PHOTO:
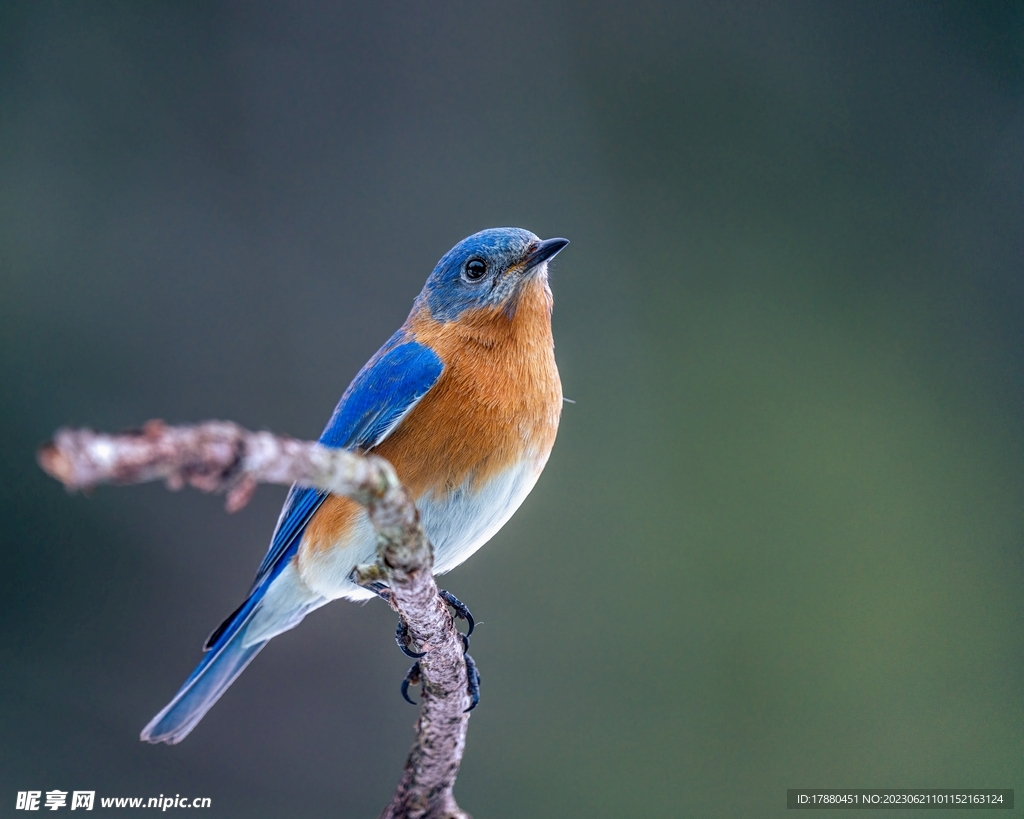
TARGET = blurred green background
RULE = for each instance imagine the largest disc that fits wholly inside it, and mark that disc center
(779, 541)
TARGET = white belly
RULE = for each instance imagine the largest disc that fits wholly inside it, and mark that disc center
(462, 522)
(457, 524)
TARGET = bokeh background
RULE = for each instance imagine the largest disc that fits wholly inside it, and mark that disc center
(780, 541)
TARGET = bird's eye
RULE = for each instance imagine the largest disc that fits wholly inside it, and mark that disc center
(475, 269)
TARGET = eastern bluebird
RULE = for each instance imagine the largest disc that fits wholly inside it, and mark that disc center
(463, 400)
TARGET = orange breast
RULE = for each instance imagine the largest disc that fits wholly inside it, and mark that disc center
(497, 402)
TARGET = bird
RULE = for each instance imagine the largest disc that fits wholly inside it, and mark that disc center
(464, 401)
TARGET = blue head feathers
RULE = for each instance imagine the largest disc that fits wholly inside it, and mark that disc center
(487, 269)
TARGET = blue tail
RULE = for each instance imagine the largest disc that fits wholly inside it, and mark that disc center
(270, 610)
(225, 660)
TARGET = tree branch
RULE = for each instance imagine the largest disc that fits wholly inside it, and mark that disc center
(219, 456)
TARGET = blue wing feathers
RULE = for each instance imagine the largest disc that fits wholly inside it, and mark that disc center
(300, 505)
(386, 388)
(381, 395)
(383, 392)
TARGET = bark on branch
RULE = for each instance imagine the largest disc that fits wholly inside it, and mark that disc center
(220, 456)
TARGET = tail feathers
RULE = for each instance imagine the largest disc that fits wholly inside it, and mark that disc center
(273, 608)
(215, 673)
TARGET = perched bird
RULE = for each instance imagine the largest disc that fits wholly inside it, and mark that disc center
(464, 401)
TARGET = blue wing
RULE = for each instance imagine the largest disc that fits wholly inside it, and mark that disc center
(385, 390)
(380, 396)
(383, 393)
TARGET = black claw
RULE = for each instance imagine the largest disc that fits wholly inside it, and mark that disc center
(402, 638)
(474, 684)
(381, 590)
(460, 609)
(411, 678)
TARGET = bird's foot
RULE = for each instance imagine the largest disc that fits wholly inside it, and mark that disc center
(461, 612)
(473, 677)
(472, 674)
(403, 639)
(380, 589)
(402, 636)
(412, 677)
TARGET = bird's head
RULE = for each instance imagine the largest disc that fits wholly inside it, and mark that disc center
(489, 269)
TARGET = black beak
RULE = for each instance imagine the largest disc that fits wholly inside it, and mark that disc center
(543, 251)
